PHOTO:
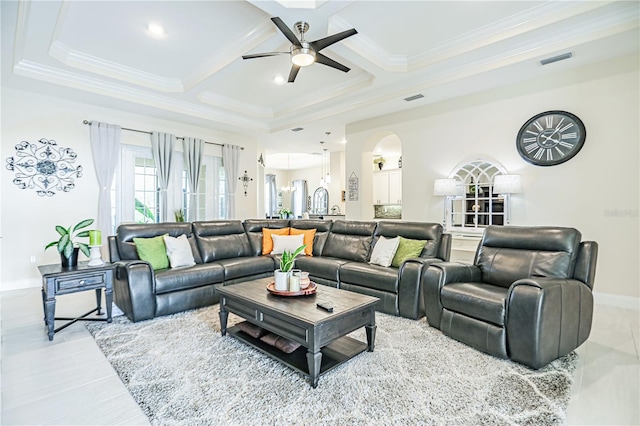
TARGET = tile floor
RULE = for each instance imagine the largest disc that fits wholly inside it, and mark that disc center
(69, 382)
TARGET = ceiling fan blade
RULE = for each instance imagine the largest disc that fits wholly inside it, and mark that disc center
(263, 55)
(321, 59)
(320, 44)
(286, 31)
(293, 73)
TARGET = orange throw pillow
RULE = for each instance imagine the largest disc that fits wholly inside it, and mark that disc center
(267, 241)
(309, 235)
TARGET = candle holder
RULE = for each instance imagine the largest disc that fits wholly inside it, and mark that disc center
(95, 258)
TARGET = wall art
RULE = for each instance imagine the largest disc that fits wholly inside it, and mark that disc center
(44, 167)
(353, 187)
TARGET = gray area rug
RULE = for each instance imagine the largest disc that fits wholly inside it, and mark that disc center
(180, 370)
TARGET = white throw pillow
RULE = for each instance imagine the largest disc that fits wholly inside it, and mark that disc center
(286, 242)
(384, 250)
(179, 251)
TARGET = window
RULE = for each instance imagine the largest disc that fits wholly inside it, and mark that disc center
(475, 206)
(136, 195)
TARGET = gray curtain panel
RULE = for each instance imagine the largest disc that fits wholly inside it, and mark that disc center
(193, 149)
(271, 206)
(230, 162)
(105, 147)
(162, 145)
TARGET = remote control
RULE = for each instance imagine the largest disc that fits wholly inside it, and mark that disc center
(326, 306)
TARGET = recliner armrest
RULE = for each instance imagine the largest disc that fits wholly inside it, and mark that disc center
(547, 318)
(134, 289)
(437, 276)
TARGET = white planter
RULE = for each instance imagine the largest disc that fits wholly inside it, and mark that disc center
(281, 280)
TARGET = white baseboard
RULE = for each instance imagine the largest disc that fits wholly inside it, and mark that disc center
(611, 299)
(20, 284)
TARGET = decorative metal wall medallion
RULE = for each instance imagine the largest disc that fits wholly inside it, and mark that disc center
(46, 168)
(245, 179)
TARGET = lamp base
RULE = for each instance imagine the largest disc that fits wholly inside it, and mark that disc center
(95, 258)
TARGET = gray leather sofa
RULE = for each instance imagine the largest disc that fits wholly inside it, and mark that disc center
(230, 251)
(527, 297)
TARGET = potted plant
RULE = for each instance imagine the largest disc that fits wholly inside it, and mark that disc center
(284, 213)
(379, 161)
(66, 244)
(286, 265)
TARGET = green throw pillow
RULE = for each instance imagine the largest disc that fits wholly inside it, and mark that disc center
(153, 251)
(406, 250)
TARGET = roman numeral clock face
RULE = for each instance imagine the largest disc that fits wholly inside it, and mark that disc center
(551, 138)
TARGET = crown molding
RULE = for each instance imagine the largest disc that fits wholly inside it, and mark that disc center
(81, 61)
(224, 102)
(90, 84)
(255, 36)
(521, 23)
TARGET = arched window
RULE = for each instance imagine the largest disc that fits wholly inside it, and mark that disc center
(476, 206)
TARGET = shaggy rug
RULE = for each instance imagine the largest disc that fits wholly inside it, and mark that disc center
(180, 370)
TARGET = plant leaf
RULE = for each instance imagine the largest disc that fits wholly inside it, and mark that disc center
(63, 242)
(83, 234)
(62, 230)
(83, 224)
(68, 249)
(51, 244)
(84, 248)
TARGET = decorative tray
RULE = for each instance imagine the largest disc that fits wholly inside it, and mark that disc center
(271, 287)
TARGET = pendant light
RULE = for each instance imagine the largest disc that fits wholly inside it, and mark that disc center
(327, 178)
(288, 188)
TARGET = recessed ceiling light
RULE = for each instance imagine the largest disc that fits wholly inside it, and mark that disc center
(279, 79)
(156, 28)
(344, 141)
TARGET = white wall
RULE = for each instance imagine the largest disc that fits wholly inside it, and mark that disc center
(596, 192)
(27, 221)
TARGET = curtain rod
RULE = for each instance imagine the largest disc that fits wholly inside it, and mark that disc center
(147, 132)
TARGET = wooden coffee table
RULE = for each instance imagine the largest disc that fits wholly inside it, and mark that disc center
(322, 335)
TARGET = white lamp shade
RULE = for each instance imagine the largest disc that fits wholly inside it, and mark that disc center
(303, 56)
(507, 184)
(445, 187)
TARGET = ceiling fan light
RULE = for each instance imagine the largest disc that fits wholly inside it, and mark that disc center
(303, 56)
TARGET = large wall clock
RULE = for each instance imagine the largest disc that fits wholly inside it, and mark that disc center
(551, 138)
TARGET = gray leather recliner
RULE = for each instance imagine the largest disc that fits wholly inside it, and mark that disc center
(527, 297)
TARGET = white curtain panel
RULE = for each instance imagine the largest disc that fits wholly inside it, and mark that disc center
(162, 145)
(231, 164)
(193, 149)
(271, 202)
(105, 147)
(299, 198)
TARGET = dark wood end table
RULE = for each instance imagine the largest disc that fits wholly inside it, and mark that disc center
(322, 335)
(57, 281)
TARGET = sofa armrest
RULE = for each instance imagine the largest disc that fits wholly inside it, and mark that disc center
(114, 255)
(547, 318)
(436, 276)
(134, 289)
(444, 249)
(410, 286)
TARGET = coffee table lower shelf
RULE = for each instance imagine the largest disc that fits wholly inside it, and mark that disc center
(335, 353)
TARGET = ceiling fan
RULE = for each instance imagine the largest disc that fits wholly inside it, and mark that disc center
(305, 53)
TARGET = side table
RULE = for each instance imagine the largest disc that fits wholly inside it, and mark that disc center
(57, 281)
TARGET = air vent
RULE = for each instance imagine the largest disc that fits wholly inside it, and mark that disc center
(556, 58)
(414, 97)
(297, 129)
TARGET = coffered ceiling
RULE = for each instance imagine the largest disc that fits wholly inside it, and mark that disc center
(103, 53)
